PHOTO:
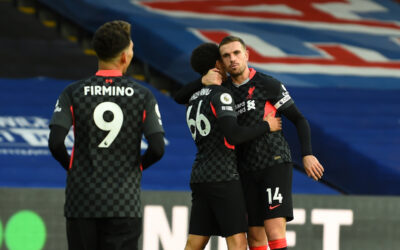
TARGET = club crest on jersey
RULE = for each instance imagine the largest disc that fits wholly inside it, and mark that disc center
(226, 98)
(251, 91)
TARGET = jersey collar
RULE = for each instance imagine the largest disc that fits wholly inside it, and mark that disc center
(109, 72)
(252, 73)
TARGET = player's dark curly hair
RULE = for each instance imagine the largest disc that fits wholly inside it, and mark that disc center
(111, 38)
(204, 57)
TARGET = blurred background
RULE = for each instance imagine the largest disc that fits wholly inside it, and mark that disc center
(339, 59)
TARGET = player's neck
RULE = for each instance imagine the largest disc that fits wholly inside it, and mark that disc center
(242, 78)
(110, 66)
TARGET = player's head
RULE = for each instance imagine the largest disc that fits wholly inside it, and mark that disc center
(234, 55)
(112, 43)
(205, 57)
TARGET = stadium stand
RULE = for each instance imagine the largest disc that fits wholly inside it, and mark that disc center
(29, 49)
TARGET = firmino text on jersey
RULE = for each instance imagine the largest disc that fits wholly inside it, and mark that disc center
(108, 90)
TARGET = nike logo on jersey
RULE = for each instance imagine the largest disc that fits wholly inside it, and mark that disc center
(273, 207)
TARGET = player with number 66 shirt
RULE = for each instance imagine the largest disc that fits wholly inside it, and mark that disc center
(218, 206)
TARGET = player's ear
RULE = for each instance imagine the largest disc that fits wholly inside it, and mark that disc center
(123, 57)
(247, 52)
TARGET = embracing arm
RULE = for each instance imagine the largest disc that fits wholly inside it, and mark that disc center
(213, 77)
(183, 95)
(236, 134)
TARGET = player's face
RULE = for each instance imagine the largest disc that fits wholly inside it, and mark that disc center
(234, 58)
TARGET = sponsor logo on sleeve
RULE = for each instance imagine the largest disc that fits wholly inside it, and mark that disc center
(229, 108)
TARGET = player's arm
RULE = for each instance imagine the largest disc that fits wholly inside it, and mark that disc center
(236, 134)
(154, 133)
(302, 127)
(213, 77)
(155, 150)
(285, 106)
(223, 105)
(183, 95)
(311, 164)
(60, 123)
(57, 145)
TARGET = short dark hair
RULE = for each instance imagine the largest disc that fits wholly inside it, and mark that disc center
(111, 38)
(230, 39)
(204, 57)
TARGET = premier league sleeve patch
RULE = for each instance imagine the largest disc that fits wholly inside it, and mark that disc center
(226, 98)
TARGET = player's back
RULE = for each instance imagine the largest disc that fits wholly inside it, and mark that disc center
(108, 120)
(215, 159)
(108, 115)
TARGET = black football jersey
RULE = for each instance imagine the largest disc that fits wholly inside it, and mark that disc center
(253, 100)
(109, 114)
(215, 158)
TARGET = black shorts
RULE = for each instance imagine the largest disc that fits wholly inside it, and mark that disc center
(103, 233)
(218, 208)
(268, 193)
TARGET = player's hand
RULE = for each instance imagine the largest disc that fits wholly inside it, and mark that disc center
(312, 167)
(213, 77)
(275, 123)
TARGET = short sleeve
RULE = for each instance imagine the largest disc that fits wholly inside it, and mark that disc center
(62, 114)
(152, 122)
(223, 104)
(282, 99)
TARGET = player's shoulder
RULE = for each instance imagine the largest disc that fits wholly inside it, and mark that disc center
(267, 79)
(222, 94)
(138, 87)
(132, 83)
(218, 89)
(269, 82)
(208, 92)
(71, 87)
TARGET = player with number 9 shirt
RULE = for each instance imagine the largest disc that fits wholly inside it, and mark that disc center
(109, 114)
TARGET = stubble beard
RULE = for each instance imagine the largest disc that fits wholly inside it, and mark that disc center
(234, 74)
